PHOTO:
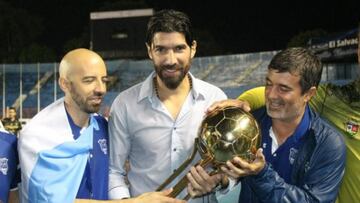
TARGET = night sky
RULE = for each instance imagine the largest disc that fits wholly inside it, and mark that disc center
(234, 26)
(269, 25)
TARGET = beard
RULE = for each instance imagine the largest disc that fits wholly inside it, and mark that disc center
(284, 111)
(83, 103)
(172, 82)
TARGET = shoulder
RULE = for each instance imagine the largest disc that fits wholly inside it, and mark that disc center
(7, 137)
(126, 99)
(101, 120)
(255, 97)
(102, 132)
(259, 113)
(205, 85)
(207, 89)
(8, 140)
(326, 135)
(48, 115)
(129, 95)
(256, 91)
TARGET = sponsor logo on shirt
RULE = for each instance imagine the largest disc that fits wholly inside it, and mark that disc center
(4, 166)
(352, 128)
(292, 155)
(103, 145)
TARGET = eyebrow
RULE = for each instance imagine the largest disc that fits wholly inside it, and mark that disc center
(170, 47)
(93, 77)
(88, 77)
(281, 85)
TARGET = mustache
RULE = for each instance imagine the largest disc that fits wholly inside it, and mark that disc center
(276, 101)
(170, 67)
(97, 95)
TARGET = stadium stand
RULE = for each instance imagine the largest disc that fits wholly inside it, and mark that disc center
(37, 83)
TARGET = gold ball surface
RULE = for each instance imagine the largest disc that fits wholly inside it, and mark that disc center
(229, 132)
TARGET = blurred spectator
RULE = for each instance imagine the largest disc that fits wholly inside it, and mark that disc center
(11, 122)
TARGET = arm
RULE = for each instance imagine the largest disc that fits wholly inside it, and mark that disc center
(202, 183)
(249, 100)
(255, 97)
(149, 197)
(119, 142)
(320, 182)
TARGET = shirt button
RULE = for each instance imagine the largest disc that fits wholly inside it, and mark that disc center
(174, 149)
(174, 128)
(274, 155)
(91, 155)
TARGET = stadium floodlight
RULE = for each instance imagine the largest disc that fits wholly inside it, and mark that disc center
(119, 34)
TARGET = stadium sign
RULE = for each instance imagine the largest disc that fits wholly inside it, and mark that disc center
(341, 46)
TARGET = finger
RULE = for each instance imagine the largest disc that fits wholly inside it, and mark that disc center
(239, 167)
(245, 106)
(191, 190)
(166, 192)
(259, 154)
(192, 180)
(222, 104)
(239, 162)
(203, 175)
(229, 172)
(213, 107)
(197, 176)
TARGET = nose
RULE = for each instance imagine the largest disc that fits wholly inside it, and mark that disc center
(170, 58)
(270, 92)
(100, 87)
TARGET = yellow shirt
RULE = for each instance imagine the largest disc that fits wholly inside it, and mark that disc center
(340, 105)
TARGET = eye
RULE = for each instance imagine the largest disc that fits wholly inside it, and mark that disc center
(160, 49)
(105, 79)
(284, 89)
(88, 80)
(180, 48)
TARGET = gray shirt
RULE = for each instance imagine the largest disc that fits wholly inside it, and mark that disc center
(142, 131)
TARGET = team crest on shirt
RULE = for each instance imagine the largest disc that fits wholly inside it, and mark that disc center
(292, 155)
(352, 128)
(4, 166)
(103, 145)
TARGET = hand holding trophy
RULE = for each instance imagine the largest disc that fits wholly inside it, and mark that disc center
(223, 134)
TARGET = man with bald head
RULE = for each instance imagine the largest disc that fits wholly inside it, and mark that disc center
(64, 148)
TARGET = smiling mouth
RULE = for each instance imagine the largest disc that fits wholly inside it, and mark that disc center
(170, 72)
(96, 100)
(275, 105)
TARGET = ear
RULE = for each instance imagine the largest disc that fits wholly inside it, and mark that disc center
(310, 93)
(148, 47)
(193, 48)
(64, 84)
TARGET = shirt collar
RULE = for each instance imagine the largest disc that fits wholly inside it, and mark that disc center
(301, 129)
(147, 88)
(304, 125)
